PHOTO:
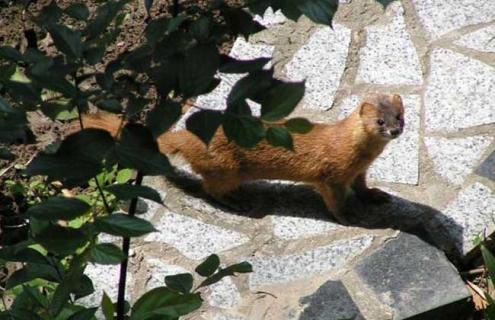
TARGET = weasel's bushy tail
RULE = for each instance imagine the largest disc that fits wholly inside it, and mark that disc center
(168, 143)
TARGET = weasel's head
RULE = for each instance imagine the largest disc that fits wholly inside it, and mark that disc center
(383, 115)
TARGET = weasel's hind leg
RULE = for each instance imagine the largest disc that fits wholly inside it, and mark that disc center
(219, 187)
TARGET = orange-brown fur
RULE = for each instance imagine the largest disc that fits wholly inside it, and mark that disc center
(332, 157)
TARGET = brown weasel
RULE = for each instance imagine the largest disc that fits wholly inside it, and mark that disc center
(332, 157)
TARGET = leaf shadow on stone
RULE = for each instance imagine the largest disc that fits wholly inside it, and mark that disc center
(276, 198)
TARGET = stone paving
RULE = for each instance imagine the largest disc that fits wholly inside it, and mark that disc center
(391, 263)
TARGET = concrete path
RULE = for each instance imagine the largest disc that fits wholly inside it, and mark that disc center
(391, 264)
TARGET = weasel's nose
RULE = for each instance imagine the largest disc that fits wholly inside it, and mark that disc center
(394, 132)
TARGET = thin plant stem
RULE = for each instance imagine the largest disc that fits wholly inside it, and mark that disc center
(123, 265)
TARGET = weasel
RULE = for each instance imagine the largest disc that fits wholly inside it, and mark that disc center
(332, 157)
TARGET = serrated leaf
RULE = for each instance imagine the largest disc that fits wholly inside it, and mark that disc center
(209, 266)
(110, 105)
(129, 191)
(162, 302)
(78, 159)
(107, 307)
(252, 85)
(281, 100)
(61, 240)
(84, 314)
(119, 224)
(320, 11)
(246, 131)
(124, 175)
(204, 124)
(77, 11)
(5, 154)
(198, 69)
(138, 149)
(10, 53)
(182, 282)
(67, 40)
(163, 116)
(240, 22)
(106, 253)
(58, 208)
(299, 125)
(33, 271)
(232, 65)
(105, 14)
(280, 137)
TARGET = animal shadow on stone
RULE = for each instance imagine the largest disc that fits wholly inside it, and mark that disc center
(262, 198)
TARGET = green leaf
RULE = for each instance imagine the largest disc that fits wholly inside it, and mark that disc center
(244, 130)
(33, 271)
(299, 125)
(82, 286)
(198, 69)
(119, 224)
(138, 149)
(204, 124)
(182, 282)
(281, 100)
(13, 126)
(489, 260)
(163, 116)
(106, 253)
(320, 11)
(164, 302)
(61, 240)
(49, 15)
(385, 3)
(243, 267)
(280, 137)
(232, 65)
(60, 298)
(110, 105)
(200, 28)
(67, 40)
(107, 307)
(36, 296)
(240, 22)
(10, 53)
(59, 208)
(254, 84)
(58, 109)
(105, 14)
(84, 314)
(209, 266)
(78, 159)
(124, 175)
(5, 154)
(23, 92)
(128, 192)
(77, 11)
(22, 254)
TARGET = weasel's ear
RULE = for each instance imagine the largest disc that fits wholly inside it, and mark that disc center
(365, 108)
(397, 101)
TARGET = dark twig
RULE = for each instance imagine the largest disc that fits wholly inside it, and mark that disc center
(123, 266)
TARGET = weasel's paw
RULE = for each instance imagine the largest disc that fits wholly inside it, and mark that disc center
(374, 196)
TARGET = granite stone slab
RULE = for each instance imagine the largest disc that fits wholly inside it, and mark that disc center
(481, 40)
(443, 16)
(280, 269)
(321, 62)
(194, 238)
(487, 168)
(455, 159)
(460, 92)
(389, 56)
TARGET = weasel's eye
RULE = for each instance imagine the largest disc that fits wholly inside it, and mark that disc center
(399, 117)
(380, 122)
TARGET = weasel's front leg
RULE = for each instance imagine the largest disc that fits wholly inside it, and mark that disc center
(219, 187)
(334, 197)
(368, 195)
